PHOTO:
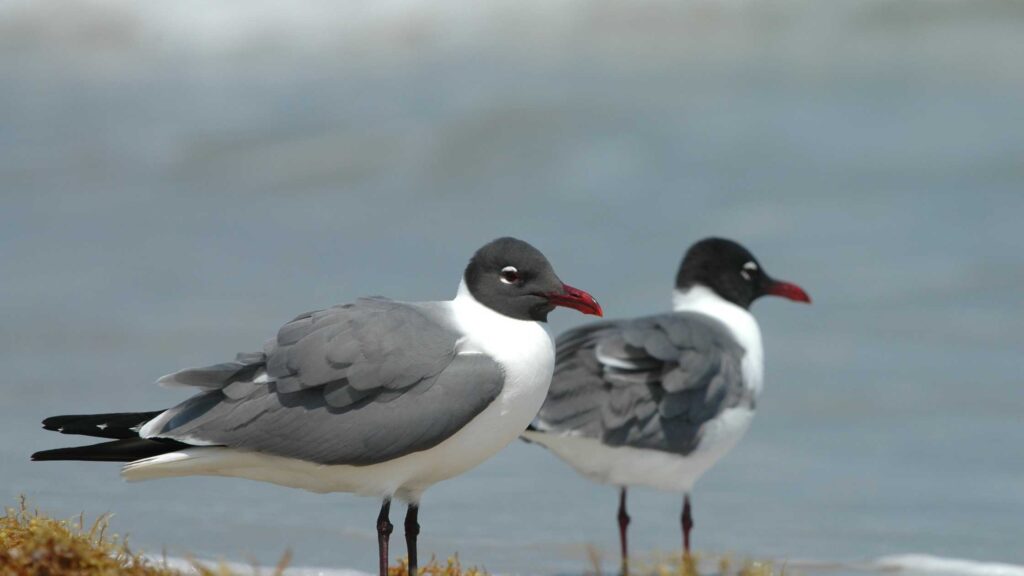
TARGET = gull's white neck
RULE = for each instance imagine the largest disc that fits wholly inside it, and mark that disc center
(481, 322)
(740, 322)
(468, 310)
(463, 297)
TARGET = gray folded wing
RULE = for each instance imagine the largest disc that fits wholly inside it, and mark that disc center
(355, 384)
(652, 382)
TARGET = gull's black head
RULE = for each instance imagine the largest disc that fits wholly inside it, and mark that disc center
(513, 278)
(732, 272)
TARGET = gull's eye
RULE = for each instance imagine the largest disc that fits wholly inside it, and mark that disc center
(748, 268)
(509, 275)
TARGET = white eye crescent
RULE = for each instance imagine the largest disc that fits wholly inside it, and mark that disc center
(509, 275)
(747, 269)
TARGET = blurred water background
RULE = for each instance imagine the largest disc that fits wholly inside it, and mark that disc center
(177, 179)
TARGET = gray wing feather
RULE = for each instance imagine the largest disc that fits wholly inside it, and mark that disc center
(617, 352)
(354, 384)
(651, 382)
(216, 376)
(366, 344)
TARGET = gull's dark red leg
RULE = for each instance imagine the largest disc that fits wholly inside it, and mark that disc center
(384, 529)
(412, 530)
(687, 522)
(623, 524)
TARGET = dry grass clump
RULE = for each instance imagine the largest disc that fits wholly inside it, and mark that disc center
(34, 545)
(749, 568)
(690, 565)
(452, 567)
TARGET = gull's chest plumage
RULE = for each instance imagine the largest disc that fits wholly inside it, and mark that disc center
(522, 349)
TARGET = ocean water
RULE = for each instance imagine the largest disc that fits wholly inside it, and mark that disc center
(179, 179)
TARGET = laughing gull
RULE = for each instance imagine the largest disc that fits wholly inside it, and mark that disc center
(656, 401)
(376, 397)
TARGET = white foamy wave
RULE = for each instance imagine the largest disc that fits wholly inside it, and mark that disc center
(928, 564)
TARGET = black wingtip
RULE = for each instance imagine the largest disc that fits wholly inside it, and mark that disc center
(126, 450)
(116, 425)
(52, 455)
(52, 423)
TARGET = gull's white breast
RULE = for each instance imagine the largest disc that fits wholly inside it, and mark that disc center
(741, 325)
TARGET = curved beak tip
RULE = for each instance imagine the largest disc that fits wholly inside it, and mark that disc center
(576, 299)
(789, 291)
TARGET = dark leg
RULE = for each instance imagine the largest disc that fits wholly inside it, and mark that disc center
(412, 530)
(384, 529)
(623, 524)
(687, 524)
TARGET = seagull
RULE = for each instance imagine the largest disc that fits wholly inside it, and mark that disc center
(656, 401)
(376, 397)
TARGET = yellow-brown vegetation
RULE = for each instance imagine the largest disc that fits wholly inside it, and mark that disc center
(33, 544)
(451, 567)
(689, 565)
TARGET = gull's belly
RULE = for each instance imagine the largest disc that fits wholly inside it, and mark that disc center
(627, 466)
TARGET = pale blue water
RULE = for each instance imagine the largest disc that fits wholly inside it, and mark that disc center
(179, 181)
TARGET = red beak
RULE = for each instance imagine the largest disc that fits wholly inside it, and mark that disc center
(576, 299)
(788, 291)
